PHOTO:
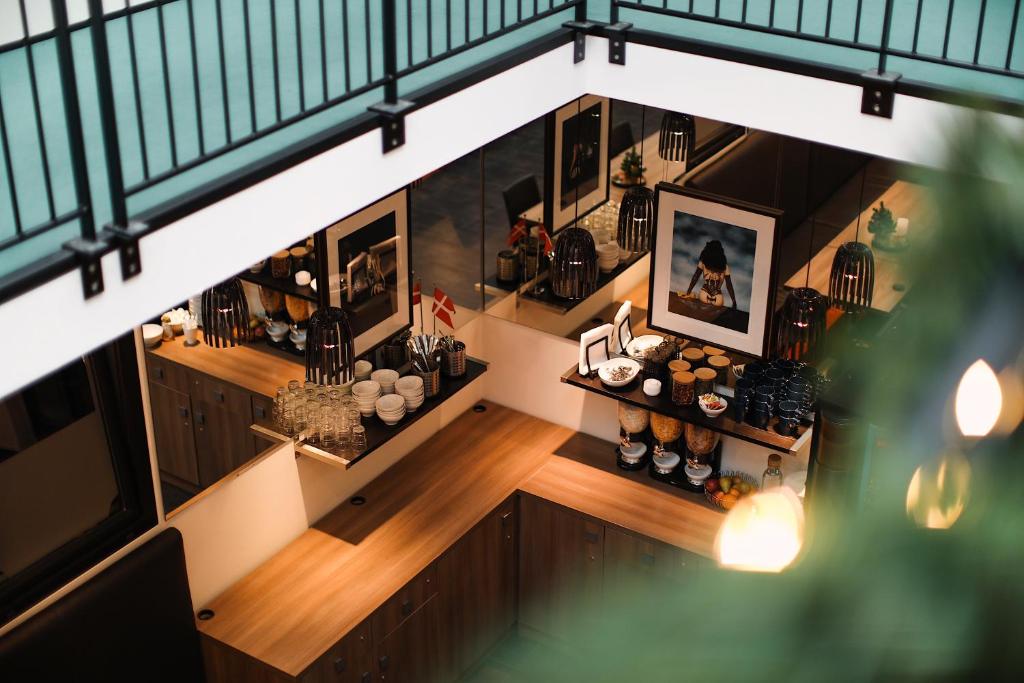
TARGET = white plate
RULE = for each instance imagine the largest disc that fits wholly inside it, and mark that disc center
(605, 368)
(638, 345)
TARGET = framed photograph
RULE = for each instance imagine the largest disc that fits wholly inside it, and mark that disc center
(713, 269)
(577, 159)
(367, 269)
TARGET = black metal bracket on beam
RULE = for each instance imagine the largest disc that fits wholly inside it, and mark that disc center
(88, 254)
(580, 29)
(879, 93)
(617, 41)
(127, 241)
(392, 122)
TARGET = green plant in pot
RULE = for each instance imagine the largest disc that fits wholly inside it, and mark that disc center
(632, 168)
(883, 226)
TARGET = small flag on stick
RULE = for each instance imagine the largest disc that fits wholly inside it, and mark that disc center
(443, 308)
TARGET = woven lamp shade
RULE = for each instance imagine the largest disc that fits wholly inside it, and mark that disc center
(330, 352)
(574, 266)
(801, 323)
(676, 136)
(851, 284)
(636, 219)
(226, 315)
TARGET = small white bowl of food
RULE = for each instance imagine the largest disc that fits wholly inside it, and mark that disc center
(618, 372)
(713, 405)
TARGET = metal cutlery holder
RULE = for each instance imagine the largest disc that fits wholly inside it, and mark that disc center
(453, 363)
(431, 382)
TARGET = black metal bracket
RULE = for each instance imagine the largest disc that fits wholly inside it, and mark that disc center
(392, 122)
(879, 93)
(580, 29)
(88, 254)
(617, 41)
(127, 241)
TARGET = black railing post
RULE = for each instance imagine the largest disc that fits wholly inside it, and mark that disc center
(879, 94)
(87, 250)
(392, 110)
(883, 47)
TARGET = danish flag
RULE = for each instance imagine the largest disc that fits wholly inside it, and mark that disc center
(518, 232)
(542, 234)
(416, 293)
(443, 308)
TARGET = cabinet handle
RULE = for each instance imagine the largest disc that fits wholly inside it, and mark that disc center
(382, 663)
(261, 412)
(182, 411)
(506, 518)
(159, 372)
(340, 665)
(200, 419)
(406, 608)
(647, 558)
(219, 395)
(366, 677)
(590, 536)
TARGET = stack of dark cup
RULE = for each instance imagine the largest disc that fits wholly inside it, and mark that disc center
(783, 388)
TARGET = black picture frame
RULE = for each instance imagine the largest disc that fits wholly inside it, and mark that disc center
(763, 288)
(552, 184)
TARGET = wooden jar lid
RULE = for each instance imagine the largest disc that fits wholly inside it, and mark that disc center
(705, 374)
(298, 252)
(678, 366)
(283, 254)
(718, 361)
(712, 351)
(684, 377)
(692, 354)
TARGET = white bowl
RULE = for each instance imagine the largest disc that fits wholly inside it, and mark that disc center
(152, 334)
(409, 383)
(386, 379)
(363, 369)
(366, 388)
(716, 412)
(604, 371)
(390, 403)
(303, 278)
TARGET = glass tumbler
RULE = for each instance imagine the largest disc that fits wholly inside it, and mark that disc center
(358, 438)
(328, 428)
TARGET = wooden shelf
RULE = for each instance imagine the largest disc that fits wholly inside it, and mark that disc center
(285, 284)
(378, 433)
(633, 394)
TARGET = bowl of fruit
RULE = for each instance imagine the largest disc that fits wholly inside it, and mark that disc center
(713, 405)
(728, 488)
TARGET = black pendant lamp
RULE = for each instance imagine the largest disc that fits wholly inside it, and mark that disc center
(226, 315)
(574, 266)
(330, 352)
(676, 136)
(801, 323)
(851, 284)
(636, 212)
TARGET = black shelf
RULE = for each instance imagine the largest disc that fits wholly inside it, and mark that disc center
(633, 394)
(549, 299)
(286, 284)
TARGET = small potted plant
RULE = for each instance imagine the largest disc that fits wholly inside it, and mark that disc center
(883, 226)
(631, 170)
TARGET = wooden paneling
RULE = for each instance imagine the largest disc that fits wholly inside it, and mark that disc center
(350, 661)
(223, 664)
(477, 580)
(172, 432)
(402, 604)
(411, 653)
(223, 414)
(167, 373)
(637, 563)
(560, 566)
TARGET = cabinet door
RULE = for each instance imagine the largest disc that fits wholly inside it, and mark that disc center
(560, 566)
(350, 661)
(172, 432)
(223, 414)
(637, 566)
(477, 585)
(262, 413)
(411, 652)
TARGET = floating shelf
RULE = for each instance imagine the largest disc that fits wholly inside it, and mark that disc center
(281, 284)
(378, 433)
(547, 298)
(633, 394)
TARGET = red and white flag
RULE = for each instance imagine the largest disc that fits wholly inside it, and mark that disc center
(542, 235)
(416, 293)
(443, 308)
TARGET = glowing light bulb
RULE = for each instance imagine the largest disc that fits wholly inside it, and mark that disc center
(763, 533)
(979, 400)
(939, 491)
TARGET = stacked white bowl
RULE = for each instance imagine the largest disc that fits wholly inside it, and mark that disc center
(607, 256)
(363, 370)
(410, 388)
(386, 379)
(390, 408)
(366, 394)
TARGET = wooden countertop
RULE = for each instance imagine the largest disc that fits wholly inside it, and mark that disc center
(298, 604)
(253, 367)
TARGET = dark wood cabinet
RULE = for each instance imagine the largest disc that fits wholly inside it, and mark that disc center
(560, 567)
(635, 565)
(411, 653)
(350, 661)
(477, 579)
(223, 414)
(172, 432)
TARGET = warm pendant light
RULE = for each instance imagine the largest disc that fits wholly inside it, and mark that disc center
(801, 323)
(636, 212)
(676, 136)
(574, 266)
(330, 353)
(226, 315)
(636, 219)
(851, 285)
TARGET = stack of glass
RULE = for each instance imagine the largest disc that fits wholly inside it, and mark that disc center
(319, 415)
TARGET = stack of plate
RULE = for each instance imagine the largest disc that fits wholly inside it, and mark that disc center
(363, 370)
(366, 394)
(386, 379)
(390, 408)
(410, 388)
(607, 256)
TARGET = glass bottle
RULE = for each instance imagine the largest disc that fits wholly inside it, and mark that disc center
(772, 476)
